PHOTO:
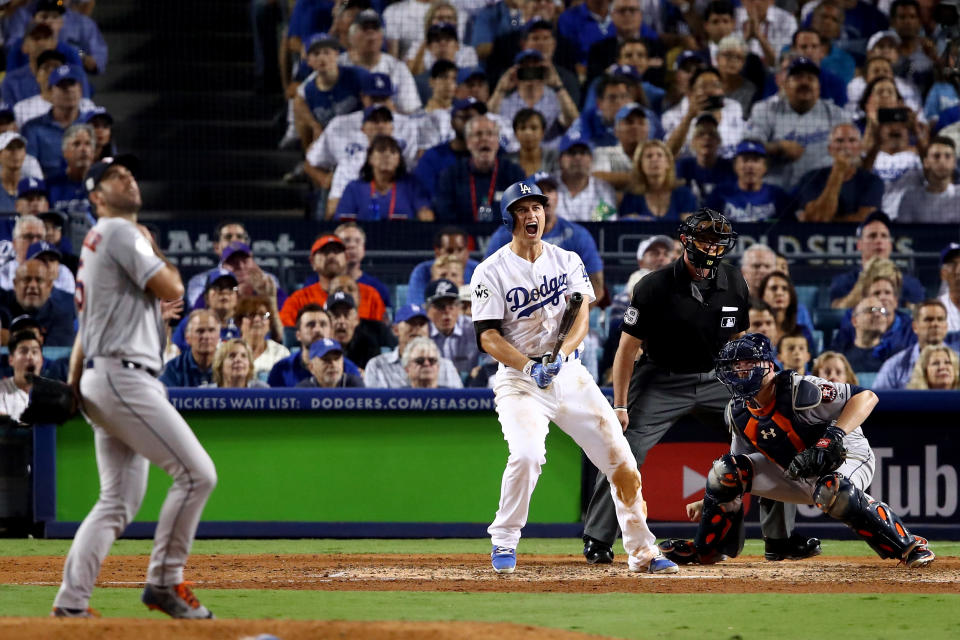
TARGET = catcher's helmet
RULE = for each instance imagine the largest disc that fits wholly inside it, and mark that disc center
(518, 191)
(741, 381)
(714, 234)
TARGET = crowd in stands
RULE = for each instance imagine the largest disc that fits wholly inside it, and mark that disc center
(831, 111)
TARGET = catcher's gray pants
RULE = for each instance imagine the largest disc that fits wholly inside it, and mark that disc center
(656, 400)
(134, 424)
(769, 480)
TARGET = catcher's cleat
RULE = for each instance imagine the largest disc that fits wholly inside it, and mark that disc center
(682, 551)
(64, 612)
(796, 547)
(919, 555)
(177, 601)
(597, 552)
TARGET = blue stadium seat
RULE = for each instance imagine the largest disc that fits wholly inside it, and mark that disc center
(866, 379)
(400, 295)
(817, 345)
(807, 295)
(598, 321)
(290, 337)
(827, 319)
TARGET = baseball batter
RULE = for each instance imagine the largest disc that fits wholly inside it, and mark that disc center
(116, 359)
(518, 300)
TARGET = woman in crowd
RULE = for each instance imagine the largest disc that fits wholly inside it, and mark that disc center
(420, 57)
(777, 290)
(529, 126)
(731, 56)
(834, 366)
(385, 191)
(233, 366)
(938, 367)
(252, 316)
(655, 193)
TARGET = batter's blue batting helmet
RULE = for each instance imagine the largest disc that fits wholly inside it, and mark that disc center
(519, 191)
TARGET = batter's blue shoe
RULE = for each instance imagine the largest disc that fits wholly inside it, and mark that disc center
(504, 559)
(660, 564)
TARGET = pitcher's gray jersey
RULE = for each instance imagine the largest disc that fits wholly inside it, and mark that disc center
(118, 317)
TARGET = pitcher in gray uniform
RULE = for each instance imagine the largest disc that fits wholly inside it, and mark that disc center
(115, 361)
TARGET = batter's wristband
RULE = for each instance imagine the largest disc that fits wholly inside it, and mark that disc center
(618, 407)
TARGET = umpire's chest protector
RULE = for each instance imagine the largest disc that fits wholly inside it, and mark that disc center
(775, 430)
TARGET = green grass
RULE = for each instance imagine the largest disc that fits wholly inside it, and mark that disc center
(532, 546)
(641, 616)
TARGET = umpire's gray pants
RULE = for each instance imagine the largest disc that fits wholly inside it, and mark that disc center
(656, 401)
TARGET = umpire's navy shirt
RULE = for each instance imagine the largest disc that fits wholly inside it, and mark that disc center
(681, 333)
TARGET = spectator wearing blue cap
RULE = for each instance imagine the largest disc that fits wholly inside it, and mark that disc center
(470, 189)
(335, 158)
(312, 324)
(749, 199)
(444, 154)
(384, 191)
(633, 61)
(22, 80)
(626, 17)
(330, 90)
(45, 134)
(796, 126)
(326, 367)
(194, 366)
(220, 296)
(449, 329)
(32, 196)
(102, 122)
(358, 340)
(54, 223)
(75, 33)
(845, 191)
(39, 101)
(655, 193)
(13, 151)
(559, 231)
(705, 169)
(614, 163)
(366, 51)
(936, 199)
(29, 234)
(66, 190)
(386, 371)
(532, 83)
(582, 196)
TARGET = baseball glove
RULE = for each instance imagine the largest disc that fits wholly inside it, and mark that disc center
(823, 457)
(51, 402)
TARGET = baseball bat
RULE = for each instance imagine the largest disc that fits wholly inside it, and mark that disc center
(566, 322)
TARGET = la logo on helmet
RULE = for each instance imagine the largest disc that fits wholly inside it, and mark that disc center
(524, 188)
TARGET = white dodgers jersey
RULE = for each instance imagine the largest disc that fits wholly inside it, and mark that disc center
(529, 298)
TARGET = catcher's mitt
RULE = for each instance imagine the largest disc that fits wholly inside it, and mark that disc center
(51, 402)
(823, 457)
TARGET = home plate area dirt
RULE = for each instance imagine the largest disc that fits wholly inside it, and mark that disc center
(535, 574)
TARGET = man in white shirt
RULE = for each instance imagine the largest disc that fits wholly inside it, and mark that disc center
(950, 276)
(404, 25)
(938, 199)
(366, 44)
(28, 234)
(768, 29)
(25, 357)
(582, 197)
(386, 370)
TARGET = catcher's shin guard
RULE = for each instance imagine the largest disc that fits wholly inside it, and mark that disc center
(873, 521)
(722, 516)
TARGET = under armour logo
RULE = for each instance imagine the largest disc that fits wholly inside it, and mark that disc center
(524, 188)
(768, 434)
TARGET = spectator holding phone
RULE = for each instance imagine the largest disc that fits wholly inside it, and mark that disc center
(705, 95)
(890, 153)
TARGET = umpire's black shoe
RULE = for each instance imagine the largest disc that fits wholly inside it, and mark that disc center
(597, 552)
(796, 547)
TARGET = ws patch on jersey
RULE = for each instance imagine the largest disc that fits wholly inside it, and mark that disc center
(828, 392)
(630, 316)
(480, 292)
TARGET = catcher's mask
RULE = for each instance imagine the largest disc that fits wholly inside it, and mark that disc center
(707, 236)
(743, 363)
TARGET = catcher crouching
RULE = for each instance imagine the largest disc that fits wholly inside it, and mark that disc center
(795, 439)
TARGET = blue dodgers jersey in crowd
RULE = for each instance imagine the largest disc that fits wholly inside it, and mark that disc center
(70, 197)
(702, 180)
(357, 203)
(308, 18)
(565, 234)
(748, 206)
(291, 370)
(340, 99)
(634, 206)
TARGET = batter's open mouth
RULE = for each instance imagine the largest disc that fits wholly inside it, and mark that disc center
(531, 228)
